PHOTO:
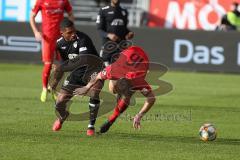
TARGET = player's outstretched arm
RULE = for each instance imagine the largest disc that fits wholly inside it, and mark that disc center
(149, 102)
(36, 32)
(129, 36)
(71, 16)
(85, 89)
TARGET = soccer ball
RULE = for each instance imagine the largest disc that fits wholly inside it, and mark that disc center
(207, 132)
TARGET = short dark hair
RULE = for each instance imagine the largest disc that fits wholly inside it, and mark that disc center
(65, 23)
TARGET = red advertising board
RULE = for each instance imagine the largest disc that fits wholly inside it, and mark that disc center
(188, 14)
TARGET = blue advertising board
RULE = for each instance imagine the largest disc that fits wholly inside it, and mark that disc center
(16, 10)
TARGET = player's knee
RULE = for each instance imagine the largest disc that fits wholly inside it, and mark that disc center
(59, 99)
(63, 98)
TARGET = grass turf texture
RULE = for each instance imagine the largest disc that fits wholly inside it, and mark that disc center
(25, 122)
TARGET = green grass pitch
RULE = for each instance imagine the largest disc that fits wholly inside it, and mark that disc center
(197, 98)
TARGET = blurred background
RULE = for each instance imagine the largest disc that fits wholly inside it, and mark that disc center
(182, 34)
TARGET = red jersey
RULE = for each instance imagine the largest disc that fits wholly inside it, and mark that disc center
(132, 63)
(52, 15)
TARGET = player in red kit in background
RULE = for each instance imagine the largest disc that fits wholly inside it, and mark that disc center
(52, 14)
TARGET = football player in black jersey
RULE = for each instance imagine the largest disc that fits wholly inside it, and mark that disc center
(112, 23)
(81, 59)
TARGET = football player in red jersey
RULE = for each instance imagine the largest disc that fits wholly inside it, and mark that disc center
(52, 14)
(129, 70)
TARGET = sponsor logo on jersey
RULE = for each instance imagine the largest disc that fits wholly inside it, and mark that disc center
(117, 22)
(55, 11)
(72, 56)
(111, 12)
(46, 3)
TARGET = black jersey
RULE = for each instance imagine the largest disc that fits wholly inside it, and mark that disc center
(80, 59)
(81, 46)
(112, 20)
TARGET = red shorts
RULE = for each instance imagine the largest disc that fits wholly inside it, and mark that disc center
(49, 49)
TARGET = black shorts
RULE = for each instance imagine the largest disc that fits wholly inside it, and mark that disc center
(81, 71)
(74, 80)
(110, 50)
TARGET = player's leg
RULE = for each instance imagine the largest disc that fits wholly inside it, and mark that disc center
(94, 103)
(112, 86)
(121, 106)
(122, 87)
(45, 75)
(63, 98)
(105, 57)
(47, 58)
(61, 104)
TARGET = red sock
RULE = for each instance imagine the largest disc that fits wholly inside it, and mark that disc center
(120, 108)
(45, 74)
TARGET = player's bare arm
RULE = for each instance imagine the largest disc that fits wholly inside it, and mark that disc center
(113, 37)
(129, 36)
(71, 16)
(150, 100)
(37, 34)
(58, 73)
